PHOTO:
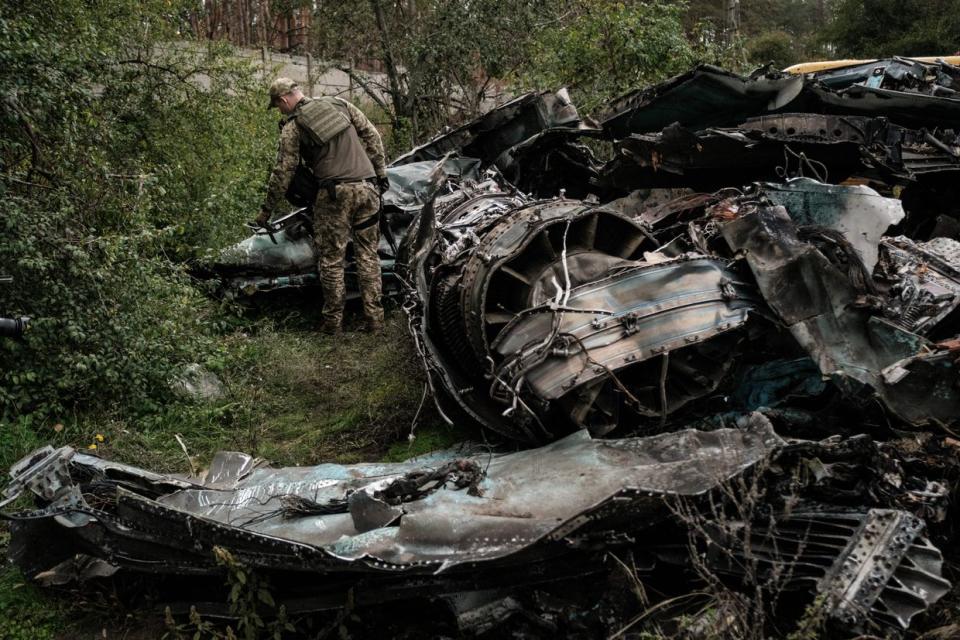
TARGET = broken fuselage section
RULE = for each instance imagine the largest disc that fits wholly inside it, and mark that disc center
(471, 528)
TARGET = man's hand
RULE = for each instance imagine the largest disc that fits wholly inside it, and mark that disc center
(262, 218)
(383, 184)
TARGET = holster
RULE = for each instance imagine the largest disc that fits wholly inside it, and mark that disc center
(330, 186)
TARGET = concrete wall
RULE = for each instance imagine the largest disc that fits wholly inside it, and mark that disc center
(315, 76)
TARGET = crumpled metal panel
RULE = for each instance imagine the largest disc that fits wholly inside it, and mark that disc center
(409, 183)
(810, 295)
(704, 97)
(848, 342)
(525, 496)
(858, 212)
(524, 499)
(499, 129)
(288, 251)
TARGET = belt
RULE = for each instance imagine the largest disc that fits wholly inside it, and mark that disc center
(372, 180)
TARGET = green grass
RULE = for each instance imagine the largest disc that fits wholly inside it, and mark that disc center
(26, 611)
(292, 396)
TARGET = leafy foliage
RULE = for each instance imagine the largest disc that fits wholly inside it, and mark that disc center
(777, 47)
(442, 60)
(608, 47)
(122, 153)
(864, 28)
(251, 604)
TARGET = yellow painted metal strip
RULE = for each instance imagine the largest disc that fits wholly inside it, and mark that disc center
(826, 65)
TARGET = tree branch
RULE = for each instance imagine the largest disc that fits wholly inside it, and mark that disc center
(182, 77)
(11, 101)
(365, 85)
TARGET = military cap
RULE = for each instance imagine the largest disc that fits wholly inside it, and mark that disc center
(281, 87)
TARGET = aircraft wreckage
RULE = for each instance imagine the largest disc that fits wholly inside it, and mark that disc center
(729, 353)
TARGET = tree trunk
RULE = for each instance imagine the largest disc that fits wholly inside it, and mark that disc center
(731, 20)
(397, 94)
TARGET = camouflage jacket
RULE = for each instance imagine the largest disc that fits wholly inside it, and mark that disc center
(288, 153)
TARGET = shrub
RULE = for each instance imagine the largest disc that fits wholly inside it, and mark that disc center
(777, 47)
(123, 152)
(608, 48)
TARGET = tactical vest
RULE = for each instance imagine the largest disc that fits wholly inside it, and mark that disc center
(321, 121)
(330, 147)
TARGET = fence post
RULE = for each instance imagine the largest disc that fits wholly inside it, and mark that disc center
(309, 75)
(350, 80)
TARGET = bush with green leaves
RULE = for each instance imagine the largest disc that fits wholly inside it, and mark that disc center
(124, 152)
(778, 47)
(864, 28)
(607, 47)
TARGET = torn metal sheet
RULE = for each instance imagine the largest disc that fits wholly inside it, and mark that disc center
(409, 182)
(810, 295)
(858, 212)
(849, 342)
(773, 147)
(484, 508)
(494, 132)
(704, 97)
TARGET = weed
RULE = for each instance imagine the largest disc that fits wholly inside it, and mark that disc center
(26, 612)
(251, 605)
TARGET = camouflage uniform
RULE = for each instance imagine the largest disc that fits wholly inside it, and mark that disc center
(353, 213)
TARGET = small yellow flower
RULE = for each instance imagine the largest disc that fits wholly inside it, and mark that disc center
(92, 446)
(98, 437)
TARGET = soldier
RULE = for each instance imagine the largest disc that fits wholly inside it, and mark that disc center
(341, 147)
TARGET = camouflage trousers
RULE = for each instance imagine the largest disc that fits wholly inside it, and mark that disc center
(352, 214)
